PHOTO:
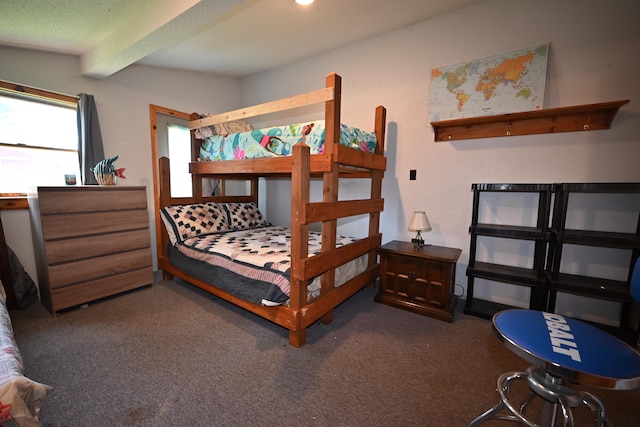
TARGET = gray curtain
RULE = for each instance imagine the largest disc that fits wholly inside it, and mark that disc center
(26, 292)
(90, 150)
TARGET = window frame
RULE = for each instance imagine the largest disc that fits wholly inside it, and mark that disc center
(19, 200)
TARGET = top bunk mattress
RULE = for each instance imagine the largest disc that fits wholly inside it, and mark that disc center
(278, 141)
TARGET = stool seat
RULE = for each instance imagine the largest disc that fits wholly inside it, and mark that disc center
(569, 348)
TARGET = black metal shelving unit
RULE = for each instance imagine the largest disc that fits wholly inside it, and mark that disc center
(534, 277)
(546, 279)
(594, 287)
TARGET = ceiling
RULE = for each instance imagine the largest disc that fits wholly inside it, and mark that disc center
(226, 37)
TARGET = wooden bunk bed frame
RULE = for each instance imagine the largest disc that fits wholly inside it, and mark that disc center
(335, 163)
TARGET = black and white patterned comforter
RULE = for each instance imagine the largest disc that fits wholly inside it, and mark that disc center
(262, 255)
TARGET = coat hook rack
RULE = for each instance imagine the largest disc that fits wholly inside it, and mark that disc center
(552, 120)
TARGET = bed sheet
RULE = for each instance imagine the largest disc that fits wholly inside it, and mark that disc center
(261, 257)
(279, 141)
(20, 397)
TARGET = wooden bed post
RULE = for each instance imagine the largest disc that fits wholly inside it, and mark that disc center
(196, 180)
(331, 179)
(162, 240)
(376, 177)
(300, 196)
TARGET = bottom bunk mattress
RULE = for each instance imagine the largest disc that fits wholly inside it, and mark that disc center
(254, 264)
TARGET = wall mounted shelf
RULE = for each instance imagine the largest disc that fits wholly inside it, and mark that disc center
(551, 120)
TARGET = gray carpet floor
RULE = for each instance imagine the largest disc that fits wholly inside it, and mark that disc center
(171, 355)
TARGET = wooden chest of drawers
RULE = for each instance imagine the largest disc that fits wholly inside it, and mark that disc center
(90, 242)
(418, 279)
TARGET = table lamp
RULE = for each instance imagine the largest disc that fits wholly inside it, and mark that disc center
(419, 223)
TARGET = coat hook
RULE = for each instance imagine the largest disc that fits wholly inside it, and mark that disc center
(586, 125)
(509, 129)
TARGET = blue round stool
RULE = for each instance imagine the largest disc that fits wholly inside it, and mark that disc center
(564, 353)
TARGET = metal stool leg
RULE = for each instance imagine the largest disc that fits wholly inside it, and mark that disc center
(525, 404)
(503, 385)
(596, 406)
(557, 397)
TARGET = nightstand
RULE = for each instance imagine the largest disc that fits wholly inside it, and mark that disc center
(419, 279)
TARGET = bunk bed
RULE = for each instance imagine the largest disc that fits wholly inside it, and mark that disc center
(335, 266)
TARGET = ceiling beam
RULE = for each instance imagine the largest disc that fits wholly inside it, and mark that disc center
(162, 24)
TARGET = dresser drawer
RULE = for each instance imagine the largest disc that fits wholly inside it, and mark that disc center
(84, 224)
(69, 200)
(67, 250)
(90, 269)
(81, 293)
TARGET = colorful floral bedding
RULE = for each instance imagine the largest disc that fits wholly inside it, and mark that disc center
(279, 140)
(20, 397)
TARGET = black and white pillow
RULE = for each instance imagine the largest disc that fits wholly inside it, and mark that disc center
(243, 216)
(186, 221)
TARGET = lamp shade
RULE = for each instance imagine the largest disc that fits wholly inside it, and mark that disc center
(419, 222)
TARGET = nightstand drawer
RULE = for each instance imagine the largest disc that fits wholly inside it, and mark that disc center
(423, 281)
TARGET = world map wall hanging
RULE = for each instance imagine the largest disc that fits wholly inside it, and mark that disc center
(501, 84)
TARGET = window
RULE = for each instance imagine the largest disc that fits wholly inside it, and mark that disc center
(171, 138)
(179, 143)
(179, 140)
(38, 138)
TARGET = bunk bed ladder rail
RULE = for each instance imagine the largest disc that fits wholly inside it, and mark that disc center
(328, 211)
(304, 268)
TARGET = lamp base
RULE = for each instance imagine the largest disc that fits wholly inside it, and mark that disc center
(419, 243)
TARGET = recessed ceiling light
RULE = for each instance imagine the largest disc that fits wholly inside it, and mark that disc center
(304, 2)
